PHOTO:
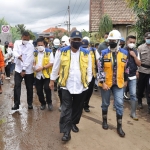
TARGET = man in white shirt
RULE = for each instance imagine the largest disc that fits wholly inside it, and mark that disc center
(73, 63)
(23, 52)
(43, 62)
(94, 58)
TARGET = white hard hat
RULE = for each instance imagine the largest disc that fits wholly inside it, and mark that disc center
(65, 38)
(56, 42)
(114, 35)
(87, 38)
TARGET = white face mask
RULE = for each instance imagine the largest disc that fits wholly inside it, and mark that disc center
(40, 48)
(131, 45)
(24, 42)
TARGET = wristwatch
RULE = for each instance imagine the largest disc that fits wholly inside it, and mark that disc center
(102, 82)
(23, 71)
(2, 72)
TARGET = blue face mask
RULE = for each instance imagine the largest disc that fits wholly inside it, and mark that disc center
(56, 46)
(148, 41)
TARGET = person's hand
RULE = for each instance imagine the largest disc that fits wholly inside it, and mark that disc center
(137, 74)
(23, 73)
(125, 84)
(51, 84)
(132, 54)
(39, 69)
(105, 87)
(2, 76)
(20, 58)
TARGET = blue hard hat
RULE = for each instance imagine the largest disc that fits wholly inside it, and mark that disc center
(122, 39)
(76, 34)
(85, 43)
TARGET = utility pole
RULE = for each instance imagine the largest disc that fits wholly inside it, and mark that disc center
(66, 23)
(69, 19)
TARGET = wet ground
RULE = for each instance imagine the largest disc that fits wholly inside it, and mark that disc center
(39, 130)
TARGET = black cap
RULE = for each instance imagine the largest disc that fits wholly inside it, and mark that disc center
(76, 34)
(147, 35)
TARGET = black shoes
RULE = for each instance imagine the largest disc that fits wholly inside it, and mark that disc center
(140, 106)
(104, 124)
(66, 137)
(30, 107)
(50, 107)
(119, 126)
(15, 107)
(86, 110)
(43, 107)
(75, 128)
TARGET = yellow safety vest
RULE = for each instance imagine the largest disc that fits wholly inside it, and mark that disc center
(108, 68)
(94, 61)
(65, 66)
(46, 72)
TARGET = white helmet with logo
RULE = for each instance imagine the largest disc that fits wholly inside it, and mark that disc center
(65, 40)
(114, 35)
(87, 38)
(56, 42)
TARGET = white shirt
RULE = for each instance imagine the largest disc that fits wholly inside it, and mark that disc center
(27, 52)
(73, 84)
(40, 63)
(9, 55)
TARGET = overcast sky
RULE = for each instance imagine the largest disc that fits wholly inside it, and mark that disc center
(39, 15)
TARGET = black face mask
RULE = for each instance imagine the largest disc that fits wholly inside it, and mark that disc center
(122, 45)
(112, 44)
(75, 45)
(6, 46)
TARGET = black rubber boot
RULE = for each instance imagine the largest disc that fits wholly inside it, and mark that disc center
(119, 126)
(104, 124)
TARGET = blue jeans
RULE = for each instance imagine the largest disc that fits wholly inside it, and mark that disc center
(12, 67)
(132, 89)
(118, 99)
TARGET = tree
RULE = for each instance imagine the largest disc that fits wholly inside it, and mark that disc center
(20, 28)
(105, 25)
(142, 11)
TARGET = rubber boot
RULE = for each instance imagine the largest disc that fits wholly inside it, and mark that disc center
(133, 110)
(119, 126)
(55, 86)
(104, 124)
(148, 109)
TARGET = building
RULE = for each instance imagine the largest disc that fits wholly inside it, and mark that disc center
(52, 33)
(122, 16)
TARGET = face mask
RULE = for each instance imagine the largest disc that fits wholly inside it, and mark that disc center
(122, 45)
(75, 45)
(24, 42)
(112, 44)
(148, 41)
(131, 45)
(56, 46)
(40, 48)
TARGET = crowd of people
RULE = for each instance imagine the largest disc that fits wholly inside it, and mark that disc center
(74, 66)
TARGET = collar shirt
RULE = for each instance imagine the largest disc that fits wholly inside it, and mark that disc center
(27, 53)
(73, 84)
(40, 63)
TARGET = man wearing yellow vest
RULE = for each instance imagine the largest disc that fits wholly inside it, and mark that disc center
(75, 69)
(113, 75)
(94, 56)
(43, 62)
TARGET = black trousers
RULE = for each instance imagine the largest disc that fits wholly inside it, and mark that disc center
(71, 111)
(143, 85)
(89, 93)
(40, 84)
(29, 79)
(7, 69)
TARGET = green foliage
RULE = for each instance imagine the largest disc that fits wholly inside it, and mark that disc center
(105, 25)
(15, 34)
(142, 10)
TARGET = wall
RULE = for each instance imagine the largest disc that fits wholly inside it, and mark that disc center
(5, 37)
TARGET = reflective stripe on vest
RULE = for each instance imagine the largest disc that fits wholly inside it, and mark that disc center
(65, 66)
